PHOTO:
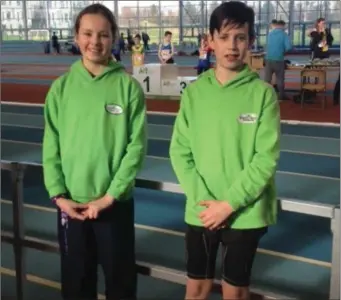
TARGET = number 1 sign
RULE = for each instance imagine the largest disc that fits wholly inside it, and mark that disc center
(149, 77)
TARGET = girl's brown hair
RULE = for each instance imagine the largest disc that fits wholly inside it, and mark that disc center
(98, 9)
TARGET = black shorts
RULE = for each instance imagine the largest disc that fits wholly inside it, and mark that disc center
(238, 252)
(170, 61)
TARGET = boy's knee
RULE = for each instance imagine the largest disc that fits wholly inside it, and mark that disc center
(235, 292)
(198, 289)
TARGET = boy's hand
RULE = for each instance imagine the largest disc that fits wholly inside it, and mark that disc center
(73, 209)
(215, 214)
(96, 206)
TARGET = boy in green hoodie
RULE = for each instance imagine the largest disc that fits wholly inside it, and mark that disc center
(94, 145)
(224, 151)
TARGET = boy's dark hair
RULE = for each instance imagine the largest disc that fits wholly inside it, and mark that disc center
(232, 12)
(138, 36)
(274, 22)
(281, 22)
(98, 9)
(168, 33)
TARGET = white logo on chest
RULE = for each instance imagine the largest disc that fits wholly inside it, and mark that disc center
(114, 109)
(247, 118)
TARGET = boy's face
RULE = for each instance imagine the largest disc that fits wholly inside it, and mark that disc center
(230, 46)
(137, 41)
(168, 37)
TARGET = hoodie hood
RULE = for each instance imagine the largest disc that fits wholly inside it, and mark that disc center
(79, 69)
(245, 76)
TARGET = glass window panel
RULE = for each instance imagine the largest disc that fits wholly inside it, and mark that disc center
(12, 19)
(37, 18)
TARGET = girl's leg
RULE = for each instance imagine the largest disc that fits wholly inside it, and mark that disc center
(115, 235)
(78, 258)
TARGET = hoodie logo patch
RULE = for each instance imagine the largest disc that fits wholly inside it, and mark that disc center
(247, 118)
(114, 109)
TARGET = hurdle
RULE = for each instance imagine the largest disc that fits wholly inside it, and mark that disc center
(19, 241)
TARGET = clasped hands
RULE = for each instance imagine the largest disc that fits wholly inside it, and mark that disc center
(81, 211)
(213, 217)
(215, 214)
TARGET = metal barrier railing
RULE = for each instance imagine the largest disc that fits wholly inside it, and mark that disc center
(20, 241)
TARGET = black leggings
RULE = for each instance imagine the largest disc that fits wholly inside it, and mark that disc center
(108, 241)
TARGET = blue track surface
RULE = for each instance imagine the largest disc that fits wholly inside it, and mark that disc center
(303, 130)
(308, 170)
(289, 162)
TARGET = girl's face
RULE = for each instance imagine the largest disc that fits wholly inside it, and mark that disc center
(321, 25)
(94, 38)
(137, 41)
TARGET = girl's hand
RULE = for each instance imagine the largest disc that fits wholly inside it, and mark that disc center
(93, 208)
(73, 209)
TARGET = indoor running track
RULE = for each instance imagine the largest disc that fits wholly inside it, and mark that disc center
(294, 257)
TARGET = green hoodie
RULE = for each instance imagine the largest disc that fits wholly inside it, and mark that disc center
(95, 134)
(225, 147)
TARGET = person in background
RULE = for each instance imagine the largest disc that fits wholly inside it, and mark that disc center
(199, 39)
(278, 43)
(55, 43)
(116, 52)
(122, 44)
(272, 26)
(130, 40)
(166, 49)
(224, 150)
(204, 62)
(93, 147)
(145, 39)
(137, 50)
(321, 40)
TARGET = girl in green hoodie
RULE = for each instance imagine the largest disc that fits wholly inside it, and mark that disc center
(94, 145)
